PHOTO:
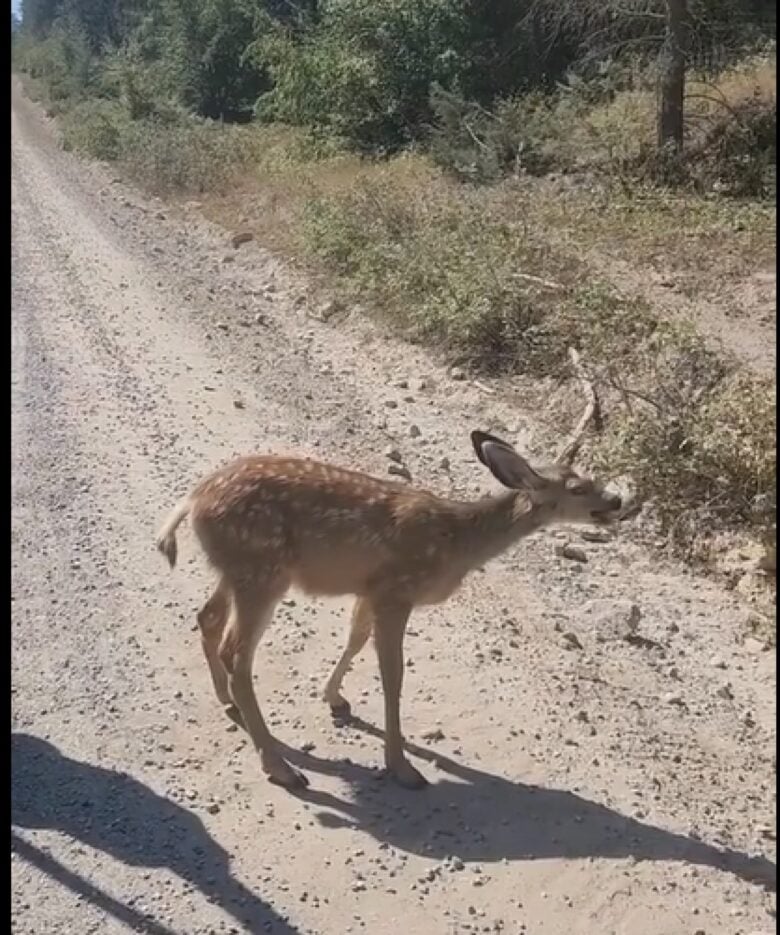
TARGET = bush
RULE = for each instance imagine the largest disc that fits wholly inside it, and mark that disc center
(527, 134)
(62, 62)
(95, 128)
(194, 156)
(738, 154)
(608, 127)
(698, 438)
(437, 264)
(363, 72)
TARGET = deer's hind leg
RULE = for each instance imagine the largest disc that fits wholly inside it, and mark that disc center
(254, 600)
(359, 632)
(212, 619)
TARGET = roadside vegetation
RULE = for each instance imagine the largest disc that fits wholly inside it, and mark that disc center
(472, 172)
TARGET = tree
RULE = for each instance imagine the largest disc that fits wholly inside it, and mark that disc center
(671, 84)
(39, 15)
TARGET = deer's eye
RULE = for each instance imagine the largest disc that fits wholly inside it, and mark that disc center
(576, 487)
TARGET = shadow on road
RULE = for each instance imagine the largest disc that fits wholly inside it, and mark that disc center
(120, 816)
(481, 817)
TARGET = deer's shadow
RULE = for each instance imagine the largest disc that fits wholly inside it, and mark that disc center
(114, 813)
(482, 817)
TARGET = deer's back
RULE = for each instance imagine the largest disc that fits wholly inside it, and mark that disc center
(332, 530)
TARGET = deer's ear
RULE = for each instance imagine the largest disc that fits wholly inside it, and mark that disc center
(478, 439)
(504, 463)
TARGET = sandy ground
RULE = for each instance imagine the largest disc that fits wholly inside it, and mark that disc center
(588, 775)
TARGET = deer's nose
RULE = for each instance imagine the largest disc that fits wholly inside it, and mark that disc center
(614, 502)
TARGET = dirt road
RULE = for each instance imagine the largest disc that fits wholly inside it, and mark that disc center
(588, 775)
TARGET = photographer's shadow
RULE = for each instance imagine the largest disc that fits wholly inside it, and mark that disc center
(481, 817)
(114, 813)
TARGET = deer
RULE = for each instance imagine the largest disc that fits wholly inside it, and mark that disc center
(267, 523)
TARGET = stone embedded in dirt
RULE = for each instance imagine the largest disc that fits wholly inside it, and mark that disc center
(444, 464)
(327, 310)
(674, 698)
(399, 470)
(768, 561)
(417, 384)
(571, 640)
(613, 619)
(222, 325)
(238, 404)
(725, 692)
(573, 552)
(242, 237)
(457, 373)
(394, 455)
(754, 646)
(435, 733)
(391, 403)
(596, 535)
(228, 258)
(414, 431)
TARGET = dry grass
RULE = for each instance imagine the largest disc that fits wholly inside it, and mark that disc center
(706, 244)
(753, 78)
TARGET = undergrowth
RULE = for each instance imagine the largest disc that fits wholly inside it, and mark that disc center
(693, 429)
(493, 274)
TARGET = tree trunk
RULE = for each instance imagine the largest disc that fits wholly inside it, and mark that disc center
(672, 76)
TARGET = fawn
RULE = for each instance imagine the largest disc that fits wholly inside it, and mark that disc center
(267, 523)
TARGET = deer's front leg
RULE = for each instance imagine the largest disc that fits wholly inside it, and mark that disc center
(390, 619)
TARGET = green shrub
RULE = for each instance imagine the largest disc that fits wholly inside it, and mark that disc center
(62, 62)
(95, 128)
(608, 128)
(363, 71)
(194, 156)
(437, 264)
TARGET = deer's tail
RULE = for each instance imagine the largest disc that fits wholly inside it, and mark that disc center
(166, 537)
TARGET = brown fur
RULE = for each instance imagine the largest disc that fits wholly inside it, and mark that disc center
(268, 523)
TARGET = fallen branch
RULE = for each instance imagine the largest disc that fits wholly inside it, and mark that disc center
(547, 283)
(625, 391)
(592, 411)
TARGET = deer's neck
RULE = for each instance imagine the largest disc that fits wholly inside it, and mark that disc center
(490, 526)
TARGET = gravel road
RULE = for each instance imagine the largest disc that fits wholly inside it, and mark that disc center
(599, 735)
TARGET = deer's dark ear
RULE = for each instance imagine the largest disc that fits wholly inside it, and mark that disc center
(504, 463)
(478, 439)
